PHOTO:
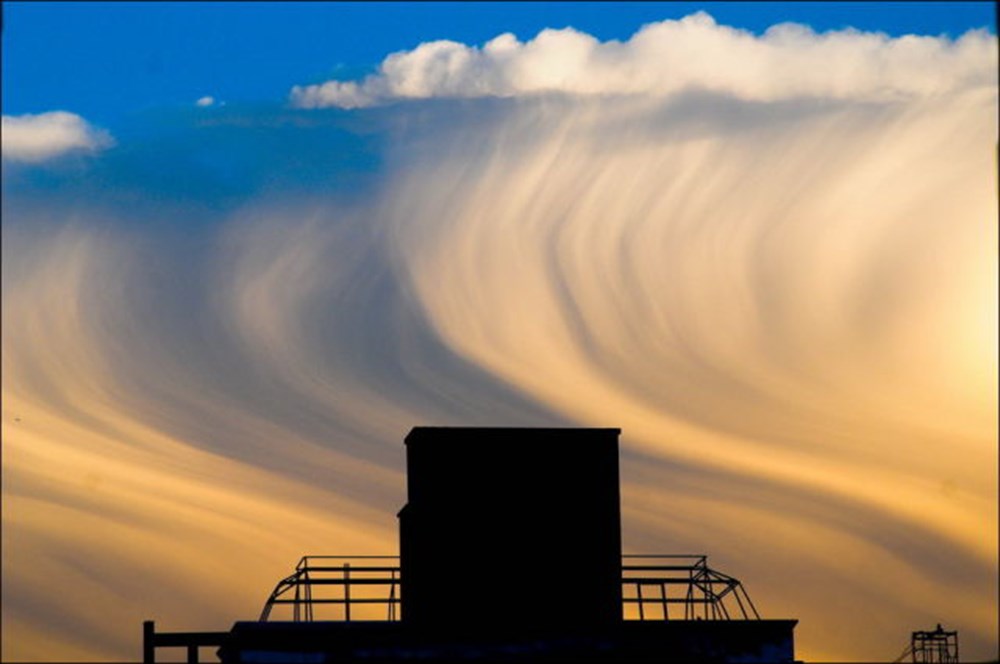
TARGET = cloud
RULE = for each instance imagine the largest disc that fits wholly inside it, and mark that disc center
(205, 101)
(789, 305)
(36, 138)
(787, 61)
(791, 298)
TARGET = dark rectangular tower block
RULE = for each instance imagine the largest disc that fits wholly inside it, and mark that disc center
(508, 527)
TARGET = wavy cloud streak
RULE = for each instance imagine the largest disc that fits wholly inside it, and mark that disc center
(801, 298)
(185, 415)
(787, 61)
(789, 306)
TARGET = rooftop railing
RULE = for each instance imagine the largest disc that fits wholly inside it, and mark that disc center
(353, 584)
(652, 585)
(367, 588)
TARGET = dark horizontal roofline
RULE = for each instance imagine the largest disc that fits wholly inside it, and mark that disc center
(457, 432)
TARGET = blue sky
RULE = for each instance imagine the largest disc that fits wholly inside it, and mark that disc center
(105, 61)
(136, 70)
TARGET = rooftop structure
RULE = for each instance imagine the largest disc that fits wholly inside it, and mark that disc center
(938, 645)
(510, 551)
(511, 514)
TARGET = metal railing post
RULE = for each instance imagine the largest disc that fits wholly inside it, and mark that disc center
(148, 646)
(347, 592)
(308, 597)
(392, 597)
(296, 608)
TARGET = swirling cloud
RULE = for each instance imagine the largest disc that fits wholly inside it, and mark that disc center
(787, 61)
(36, 138)
(182, 414)
(794, 295)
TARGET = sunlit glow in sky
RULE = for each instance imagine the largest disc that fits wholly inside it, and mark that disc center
(768, 254)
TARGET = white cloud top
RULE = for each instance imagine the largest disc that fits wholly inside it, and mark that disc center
(207, 100)
(36, 138)
(789, 60)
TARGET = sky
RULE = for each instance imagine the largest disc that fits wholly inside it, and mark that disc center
(246, 247)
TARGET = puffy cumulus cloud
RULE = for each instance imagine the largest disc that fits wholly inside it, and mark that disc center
(787, 61)
(205, 101)
(37, 138)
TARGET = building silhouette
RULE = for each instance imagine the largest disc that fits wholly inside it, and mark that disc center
(537, 508)
(510, 551)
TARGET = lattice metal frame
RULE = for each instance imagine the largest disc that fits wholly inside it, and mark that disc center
(939, 645)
